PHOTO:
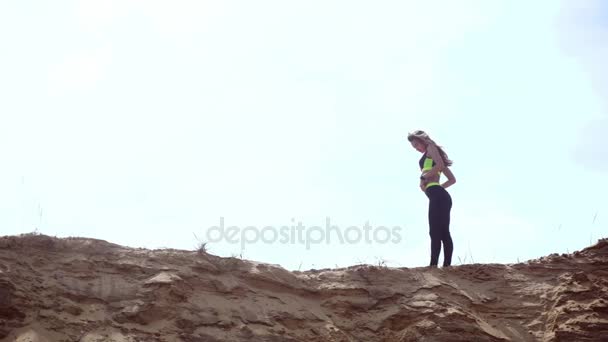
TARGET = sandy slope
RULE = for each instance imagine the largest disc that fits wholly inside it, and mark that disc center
(88, 290)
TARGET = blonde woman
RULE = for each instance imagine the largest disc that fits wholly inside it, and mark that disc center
(435, 161)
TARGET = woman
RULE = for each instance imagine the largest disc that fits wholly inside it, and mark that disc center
(434, 161)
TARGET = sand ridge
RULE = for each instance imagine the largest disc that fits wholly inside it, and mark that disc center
(88, 290)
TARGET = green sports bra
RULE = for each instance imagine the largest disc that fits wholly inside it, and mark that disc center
(426, 164)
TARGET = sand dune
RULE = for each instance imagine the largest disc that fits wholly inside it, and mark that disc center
(87, 290)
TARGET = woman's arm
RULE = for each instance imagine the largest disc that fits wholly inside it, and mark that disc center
(451, 179)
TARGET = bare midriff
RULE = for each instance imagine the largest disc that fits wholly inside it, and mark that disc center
(430, 181)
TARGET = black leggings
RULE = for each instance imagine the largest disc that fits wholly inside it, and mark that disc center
(440, 204)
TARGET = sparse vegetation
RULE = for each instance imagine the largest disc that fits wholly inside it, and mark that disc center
(201, 246)
(467, 256)
(381, 262)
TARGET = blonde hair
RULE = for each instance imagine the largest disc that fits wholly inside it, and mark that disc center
(423, 137)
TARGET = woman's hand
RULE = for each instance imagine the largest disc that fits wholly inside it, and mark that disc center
(429, 176)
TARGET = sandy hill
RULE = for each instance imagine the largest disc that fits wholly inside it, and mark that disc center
(87, 290)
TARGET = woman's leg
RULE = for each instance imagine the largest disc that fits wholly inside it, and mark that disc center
(435, 225)
(446, 238)
(440, 205)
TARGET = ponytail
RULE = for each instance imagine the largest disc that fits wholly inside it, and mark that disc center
(444, 156)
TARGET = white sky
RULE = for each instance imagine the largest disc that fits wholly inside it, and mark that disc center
(144, 122)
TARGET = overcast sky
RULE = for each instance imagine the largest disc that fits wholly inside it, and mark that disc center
(144, 123)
